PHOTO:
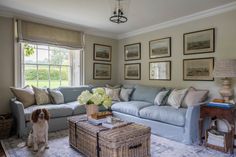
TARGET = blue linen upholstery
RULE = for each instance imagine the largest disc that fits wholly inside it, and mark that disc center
(177, 124)
(165, 114)
(130, 107)
(62, 110)
(145, 93)
(77, 108)
(71, 93)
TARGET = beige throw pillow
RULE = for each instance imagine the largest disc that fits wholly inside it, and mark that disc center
(176, 97)
(24, 95)
(41, 96)
(194, 97)
(113, 93)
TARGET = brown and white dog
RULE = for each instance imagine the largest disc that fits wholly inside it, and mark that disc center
(39, 133)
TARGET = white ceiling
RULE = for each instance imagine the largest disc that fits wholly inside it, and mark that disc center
(93, 15)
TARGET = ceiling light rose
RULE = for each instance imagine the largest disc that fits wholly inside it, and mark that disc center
(118, 13)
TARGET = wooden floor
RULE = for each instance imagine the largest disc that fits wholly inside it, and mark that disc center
(2, 154)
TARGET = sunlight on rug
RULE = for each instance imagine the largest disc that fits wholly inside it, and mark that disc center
(59, 147)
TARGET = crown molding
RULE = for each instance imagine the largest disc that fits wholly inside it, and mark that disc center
(5, 12)
(181, 20)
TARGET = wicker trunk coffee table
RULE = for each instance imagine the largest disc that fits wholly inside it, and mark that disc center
(132, 140)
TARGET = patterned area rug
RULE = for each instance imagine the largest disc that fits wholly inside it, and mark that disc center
(59, 147)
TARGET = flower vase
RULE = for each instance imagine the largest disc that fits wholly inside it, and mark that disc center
(91, 109)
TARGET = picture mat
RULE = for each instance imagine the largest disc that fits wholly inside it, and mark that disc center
(102, 71)
(160, 70)
(132, 71)
(102, 52)
(199, 69)
(199, 42)
(132, 52)
(160, 48)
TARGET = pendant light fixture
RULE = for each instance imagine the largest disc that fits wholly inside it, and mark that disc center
(118, 13)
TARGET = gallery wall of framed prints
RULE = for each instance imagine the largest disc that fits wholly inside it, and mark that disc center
(199, 42)
(160, 48)
(132, 52)
(102, 66)
(195, 68)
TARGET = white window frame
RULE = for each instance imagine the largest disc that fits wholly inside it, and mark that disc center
(73, 65)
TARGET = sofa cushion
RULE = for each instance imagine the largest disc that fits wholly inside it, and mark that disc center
(131, 107)
(166, 114)
(71, 93)
(41, 95)
(56, 111)
(24, 95)
(145, 93)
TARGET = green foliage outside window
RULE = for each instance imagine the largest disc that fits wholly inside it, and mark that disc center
(28, 50)
(31, 74)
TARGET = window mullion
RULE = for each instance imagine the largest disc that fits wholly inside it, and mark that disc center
(60, 75)
(37, 65)
(49, 67)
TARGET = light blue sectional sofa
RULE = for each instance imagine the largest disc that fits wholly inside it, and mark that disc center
(58, 113)
(177, 124)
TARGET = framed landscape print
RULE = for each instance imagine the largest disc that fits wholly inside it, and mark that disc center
(132, 71)
(160, 48)
(132, 52)
(202, 41)
(101, 52)
(101, 71)
(160, 70)
(198, 69)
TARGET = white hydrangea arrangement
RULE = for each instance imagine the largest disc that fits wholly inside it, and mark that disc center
(98, 97)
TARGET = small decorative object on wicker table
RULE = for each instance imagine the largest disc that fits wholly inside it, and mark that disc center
(93, 100)
(220, 113)
(132, 140)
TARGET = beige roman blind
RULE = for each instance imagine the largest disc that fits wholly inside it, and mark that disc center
(46, 34)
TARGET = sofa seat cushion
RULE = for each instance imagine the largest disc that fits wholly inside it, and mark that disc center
(166, 114)
(56, 111)
(130, 107)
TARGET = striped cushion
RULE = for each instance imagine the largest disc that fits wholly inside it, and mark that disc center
(176, 97)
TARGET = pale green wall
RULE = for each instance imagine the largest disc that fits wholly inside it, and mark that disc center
(88, 52)
(225, 25)
(6, 63)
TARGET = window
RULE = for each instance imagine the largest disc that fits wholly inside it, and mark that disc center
(48, 66)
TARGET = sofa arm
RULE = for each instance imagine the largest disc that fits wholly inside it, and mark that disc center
(191, 124)
(17, 109)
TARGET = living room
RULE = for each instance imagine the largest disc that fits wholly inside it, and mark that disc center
(165, 69)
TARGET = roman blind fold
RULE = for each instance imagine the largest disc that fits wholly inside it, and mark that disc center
(45, 34)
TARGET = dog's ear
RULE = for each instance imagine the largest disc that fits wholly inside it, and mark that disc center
(46, 114)
(34, 116)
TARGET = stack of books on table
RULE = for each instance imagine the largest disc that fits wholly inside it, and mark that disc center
(96, 121)
(224, 105)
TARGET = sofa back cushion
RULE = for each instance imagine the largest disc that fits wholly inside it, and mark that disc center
(71, 93)
(145, 93)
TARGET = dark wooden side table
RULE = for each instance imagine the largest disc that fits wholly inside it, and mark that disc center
(219, 113)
